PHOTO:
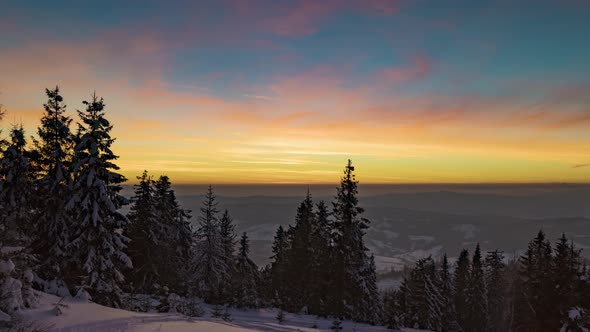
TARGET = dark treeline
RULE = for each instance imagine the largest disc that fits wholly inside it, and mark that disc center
(545, 289)
(320, 264)
(60, 216)
(61, 208)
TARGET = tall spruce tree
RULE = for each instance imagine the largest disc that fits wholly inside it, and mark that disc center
(534, 305)
(98, 243)
(145, 233)
(351, 279)
(210, 261)
(445, 286)
(370, 308)
(176, 240)
(278, 271)
(423, 299)
(299, 257)
(567, 273)
(227, 235)
(321, 261)
(406, 314)
(461, 284)
(16, 191)
(495, 279)
(53, 155)
(392, 310)
(476, 295)
(246, 277)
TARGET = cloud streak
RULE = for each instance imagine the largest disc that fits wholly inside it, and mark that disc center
(580, 165)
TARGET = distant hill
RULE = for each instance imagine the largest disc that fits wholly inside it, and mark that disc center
(407, 226)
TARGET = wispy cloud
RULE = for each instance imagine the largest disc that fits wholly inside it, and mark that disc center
(261, 97)
(305, 17)
(580, 165)
(420, 67)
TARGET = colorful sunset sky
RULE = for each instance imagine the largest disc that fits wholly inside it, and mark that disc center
(278, 91)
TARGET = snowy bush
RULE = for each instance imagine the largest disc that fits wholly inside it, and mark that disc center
(83, 296)
(171, 303)
(19, 324)
(577, 321)
(280, 316)
(192, 308)
(216, 311)
(336, 325)
(174, 303)
(226, 315)
(55, 286)
(10, 289)
(29, 296)
(59, 307)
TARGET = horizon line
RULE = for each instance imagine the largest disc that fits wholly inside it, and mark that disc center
(381, 183)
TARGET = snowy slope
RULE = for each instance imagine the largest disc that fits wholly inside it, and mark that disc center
(90, 317)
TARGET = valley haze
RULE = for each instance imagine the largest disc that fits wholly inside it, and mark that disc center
(413, 221)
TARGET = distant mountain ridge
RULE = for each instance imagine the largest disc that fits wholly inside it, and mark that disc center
(407, 226)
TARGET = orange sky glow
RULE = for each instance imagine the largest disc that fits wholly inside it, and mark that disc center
(420, 119)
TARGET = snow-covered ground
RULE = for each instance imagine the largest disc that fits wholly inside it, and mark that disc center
(90, 317)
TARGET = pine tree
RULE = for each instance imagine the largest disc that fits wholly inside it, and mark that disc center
(512, 287)
(392, 310)
(209, 263)
(3, 142)
(476, 295)
(321, 261)
(161, 237)
(98, 243)
(278, 274)
(423, 298)
(445, 286)
(53, 154)
(176, 239)
(406, 314)
(534, 305)
(299, 257)
(370, 309)
(461, 277)
(349, 295)
(246, 277)
(145, 232)
(567, 273)
(16, 191)
(228, 242)
(228, 235)
(495, 280)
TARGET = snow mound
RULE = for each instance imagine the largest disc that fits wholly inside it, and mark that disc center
(6, 267)
(4, 317)
(78, 316)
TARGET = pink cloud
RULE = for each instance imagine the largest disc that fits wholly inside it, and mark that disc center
(385, 7)
(419, 69)
(302, 19)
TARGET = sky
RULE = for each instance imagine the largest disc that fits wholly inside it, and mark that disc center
(281, 91)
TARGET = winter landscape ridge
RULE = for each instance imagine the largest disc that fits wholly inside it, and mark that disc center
(385, 263)
(295, 166)
(436, 260)
(409, 222)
